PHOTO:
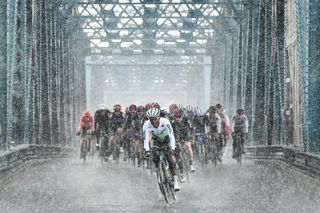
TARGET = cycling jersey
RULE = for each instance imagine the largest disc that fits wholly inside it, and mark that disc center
(149, 129)
(181, 129)
(225, 123)
(133, 124)
(240, 123)
(116, 121)
(86, 122)
(199, 125)
(101, 122)
(214, 123)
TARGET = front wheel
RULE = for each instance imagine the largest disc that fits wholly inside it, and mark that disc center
(84, 150)
(161, 181)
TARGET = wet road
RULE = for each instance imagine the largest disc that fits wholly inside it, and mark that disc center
(71, 186)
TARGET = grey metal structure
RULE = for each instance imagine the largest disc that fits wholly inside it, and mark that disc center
(260, 55)
(153, 27)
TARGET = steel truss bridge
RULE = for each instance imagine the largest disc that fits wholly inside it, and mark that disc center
(260, 55)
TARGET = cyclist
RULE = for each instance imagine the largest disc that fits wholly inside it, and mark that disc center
(101, 121)
(225, 124)
(132, 129)
(86, 126)
(182, 131)
(214, 130)
(199, 126)
(153, 129)
(239, 127)
(117, 120)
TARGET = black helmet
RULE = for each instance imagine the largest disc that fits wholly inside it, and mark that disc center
(212, 108)
(219, 106)
(240, 111)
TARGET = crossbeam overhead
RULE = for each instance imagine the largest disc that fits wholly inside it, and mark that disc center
(143, 26)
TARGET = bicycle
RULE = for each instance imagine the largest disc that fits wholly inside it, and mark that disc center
(85, 145)
(185, 161)
(104, 146)
(200, 147)
(213, 146)
(238, 147)
(115, 148)
(164, 177)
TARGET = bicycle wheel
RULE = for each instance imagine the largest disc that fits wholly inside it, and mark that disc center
(117, 154)
(185, 164)
(203, 155)
(239, 149)
(84, 150)
(169, 181)
(161, 181)
(133, 155)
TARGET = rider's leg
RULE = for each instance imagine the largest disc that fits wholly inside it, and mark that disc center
(81, 141)
(242, 143)
(177, 153)
(137, 150)
(173, 170)
(188, 148)
(234, 146)
(110, 144)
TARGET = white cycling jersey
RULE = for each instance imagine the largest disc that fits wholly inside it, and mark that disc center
(148, 128)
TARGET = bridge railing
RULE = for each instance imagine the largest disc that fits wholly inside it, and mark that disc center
(293, 157)
(19, 157)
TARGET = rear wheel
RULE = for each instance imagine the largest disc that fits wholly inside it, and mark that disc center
(239, 148)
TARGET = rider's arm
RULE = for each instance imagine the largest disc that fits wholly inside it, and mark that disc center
(227, 124)
(95, 120)
(232, 124)
(246, 125)
(146, 137)
(171, 135)
(218, 123)
(80, 126)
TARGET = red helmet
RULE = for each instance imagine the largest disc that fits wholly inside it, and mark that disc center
(172, 107)
(178, 112)
(87, 113)
(132, 108)
(140, 109)
(117, 108)
(155, 105)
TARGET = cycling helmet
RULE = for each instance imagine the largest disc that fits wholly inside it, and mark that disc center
(132, 108)
(117, 108)
(212, 108)
(155, 105)
(240, 111)
(87, 113)
(172, 107)
(177, 112)
(218, 106)
(153, 113)
(198, 111)
(189, 108)
(102, 107)
(148, 106)
(201, 114)
(140, 109)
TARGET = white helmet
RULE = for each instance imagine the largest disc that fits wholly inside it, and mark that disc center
(153, 113)
(102, 107)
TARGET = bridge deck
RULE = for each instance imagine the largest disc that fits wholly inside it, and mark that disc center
(71, 186)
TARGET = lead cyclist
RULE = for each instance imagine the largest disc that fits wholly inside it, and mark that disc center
(155, 127)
